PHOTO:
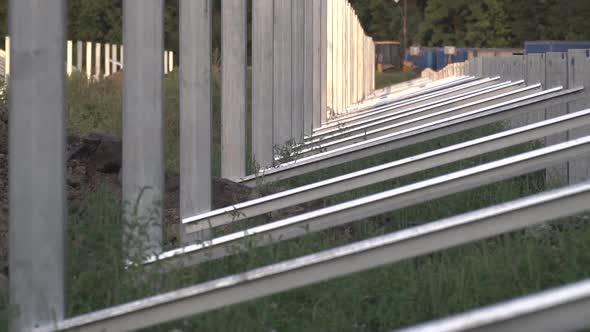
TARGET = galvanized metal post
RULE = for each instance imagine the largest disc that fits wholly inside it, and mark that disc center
(534, 74)
(320, 46)
(282, 82)
(579, 75)
(308, 61)
(328, 59)
(195, 112)
(143, 131)
(556, 75)
(297, 68)
(37, 143)
(233, 88)
(262, 81)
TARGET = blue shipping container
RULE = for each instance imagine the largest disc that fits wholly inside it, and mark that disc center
(544, 46)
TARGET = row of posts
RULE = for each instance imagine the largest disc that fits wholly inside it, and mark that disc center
(319, 63)
(569, 69)
(90, 59)
(351, 70)
(289, 98)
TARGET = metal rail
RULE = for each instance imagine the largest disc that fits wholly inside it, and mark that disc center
(405, 98)
(387, 171)
(415, 102)
(416, 118)
(563, 309)
(415, 135)
(428, 97)
(490, 95)
(333, 263)
(395, 110)
(373, 205)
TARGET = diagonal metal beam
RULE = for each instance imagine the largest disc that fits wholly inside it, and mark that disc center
(387, 171)
(387, 201)
(421, 98)
(409, 137)
(418, 118)
(386, 101)
(396, 110)
(563, 309)
(411, 116)
(333, 263)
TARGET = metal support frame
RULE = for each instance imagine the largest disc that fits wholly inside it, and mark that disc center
(262, 81)
(233, 88)
(333, 263)
(424, 96)
(387, 171)
(195, 111)
(413, 136)
(422, 116)
(370, 105)
(564, 309)
(413, 104)
(143, 107)
(37, 158)
(387, 201)
(489, 95)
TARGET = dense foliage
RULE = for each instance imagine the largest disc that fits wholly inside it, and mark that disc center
(478, 23)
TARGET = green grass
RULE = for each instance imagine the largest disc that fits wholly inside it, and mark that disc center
(392, 296)
(388, 78)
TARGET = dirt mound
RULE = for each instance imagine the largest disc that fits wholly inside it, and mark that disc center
(94, 162)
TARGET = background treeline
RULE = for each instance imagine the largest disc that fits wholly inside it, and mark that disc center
(477, 23)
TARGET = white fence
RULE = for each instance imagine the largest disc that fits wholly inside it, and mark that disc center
(96, 60)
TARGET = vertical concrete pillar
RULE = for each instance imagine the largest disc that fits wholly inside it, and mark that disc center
(79, 52)
(195, 112)
(107, 60)
(535, 69)
(517, 68)
(308, 48)
(298, 69)
(340, 80)
(97, 60)
(233, 88)
(556, 75)
(143, 125)
(89, 60)
(114, 57)
(37, 147)
(282, 81)
(579, 75)
(262, 81)
(69, 57)
(319, 52)
(506, 68)
(535, 73)
(325, 62)
(330, 51)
